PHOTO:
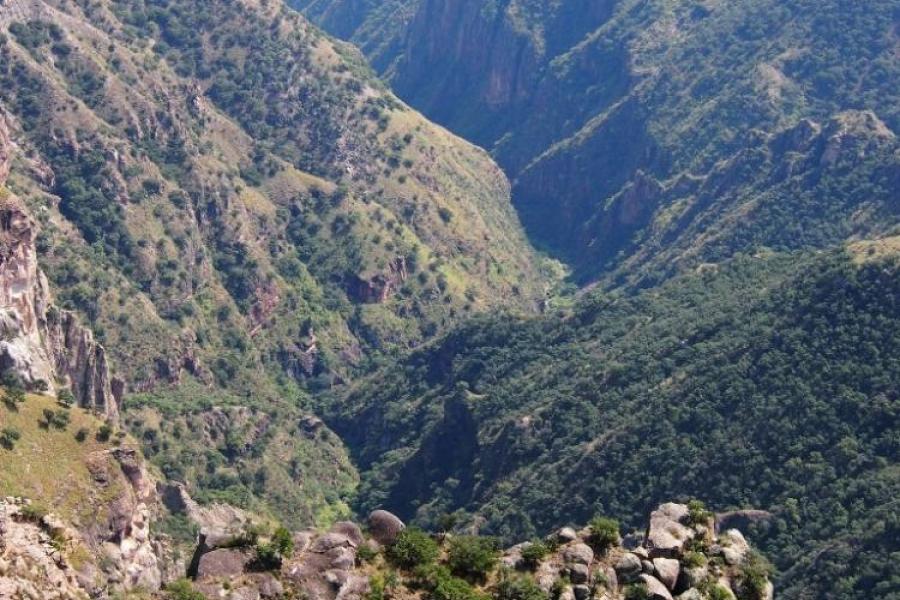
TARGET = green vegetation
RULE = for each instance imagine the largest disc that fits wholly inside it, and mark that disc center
(604, 533)
(245, 216)
(630, 400)
(182, 589)
(49, 465)
(472, 557)
(534, 552)
(8, 437)
(518, 586)
(636, 154)
(637, 591)
(413, 548)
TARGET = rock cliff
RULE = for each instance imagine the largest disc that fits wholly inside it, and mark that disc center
(47, 348)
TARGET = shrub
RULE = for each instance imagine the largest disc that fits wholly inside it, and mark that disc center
(637, 591)
(34, 512)
(183, 590)
(534, 553)
(472, 557)
(366, 553)
(413, 548)
(8, 437)
(441, 585)
(717, 592)
(754, 577)
(693, 559)
(82, 434)
(516, 586)
(604, 533)
(104, 433)
(697, 513)
(13, 396)
(65, 397)
(283, 541)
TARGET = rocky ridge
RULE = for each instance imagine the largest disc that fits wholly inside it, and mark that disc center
(679, 556)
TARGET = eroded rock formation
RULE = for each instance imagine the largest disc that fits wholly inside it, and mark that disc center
(46, 347)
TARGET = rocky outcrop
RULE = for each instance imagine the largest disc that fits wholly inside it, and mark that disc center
(379, 287)
(47, 348)
(331, 565)
(110, 549)
(668, 533)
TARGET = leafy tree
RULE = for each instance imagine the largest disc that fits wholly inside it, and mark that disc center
(472, 557)
(413, 548)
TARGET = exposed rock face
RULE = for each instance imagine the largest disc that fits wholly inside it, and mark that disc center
(30, 567)
(668, 532)
(380, 287)
(43, 345)
(42, 556)
(742, 519)
(133, 558)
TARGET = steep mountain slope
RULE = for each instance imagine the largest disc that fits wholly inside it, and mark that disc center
(239, 210)
(768, 382)
(646, 136)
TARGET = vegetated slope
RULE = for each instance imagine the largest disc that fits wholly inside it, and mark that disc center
(237, 207)
(768, 382)
(648, 136)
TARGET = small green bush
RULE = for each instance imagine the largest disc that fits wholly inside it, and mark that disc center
(472, 557)
(717, 592)
(65, 397)
(442, 585)
(104, 433)
(534, 553)
(8, 437)
(637, 591)
(413, 548)
(366, 553)
(183, 590)
(604, 533)
(518, 586)
(754, 577)
(693, 559)
(697, 513)
(283, 541)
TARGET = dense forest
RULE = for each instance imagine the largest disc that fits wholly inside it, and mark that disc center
(766, 382)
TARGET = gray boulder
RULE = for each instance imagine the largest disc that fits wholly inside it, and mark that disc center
(667, 570)
(582, 592)
(628, 568)
(566, 535)
(384, 527)
(579, 573)
(668, 533)
(579, 553)
(223, 562)
(350, 530)
(656, 588)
